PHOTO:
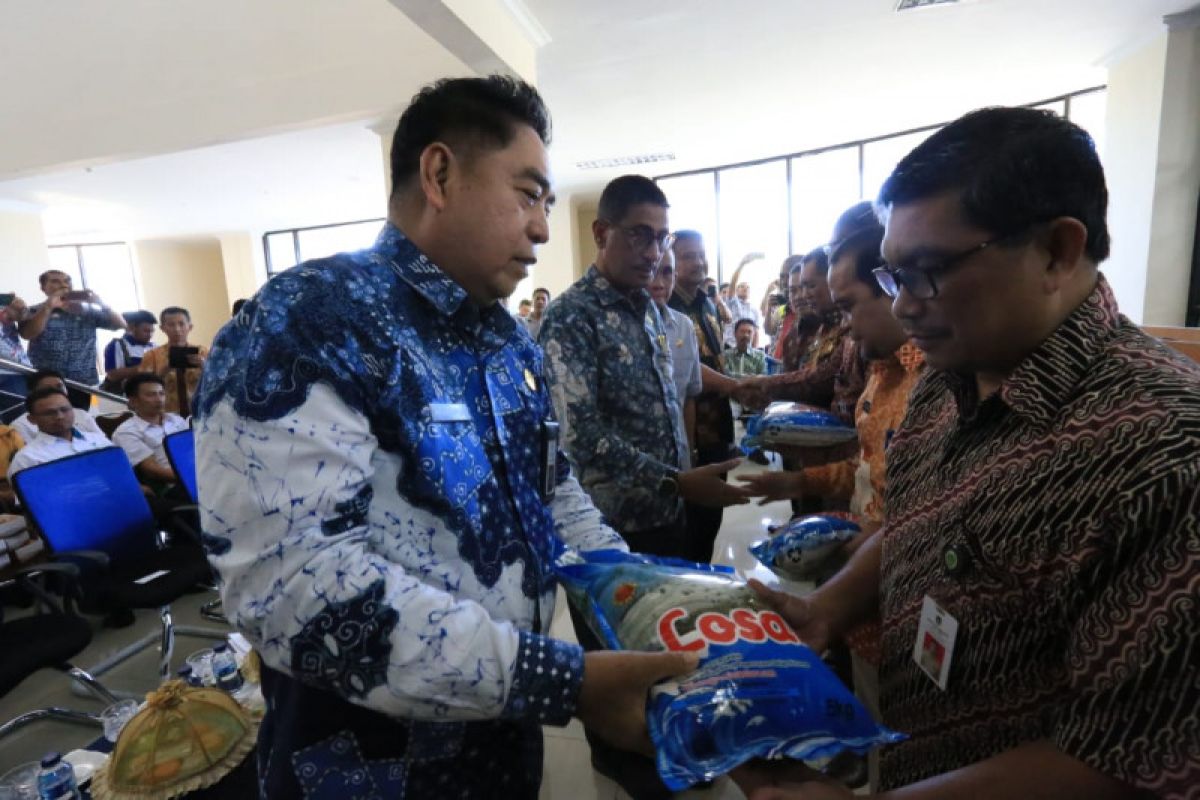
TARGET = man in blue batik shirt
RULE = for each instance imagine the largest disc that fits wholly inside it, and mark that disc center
(373, 486)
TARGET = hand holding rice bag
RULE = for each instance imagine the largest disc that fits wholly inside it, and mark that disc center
(796, 425)
(801, 549)
(759, 692)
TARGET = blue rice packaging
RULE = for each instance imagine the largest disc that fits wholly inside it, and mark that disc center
(795, 425)
(758, 692)
(804, 548)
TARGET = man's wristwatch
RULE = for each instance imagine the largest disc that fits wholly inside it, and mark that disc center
(668, 485)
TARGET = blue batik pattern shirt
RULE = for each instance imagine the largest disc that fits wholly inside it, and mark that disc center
(367, 447)
(610, 374)
(68, 343)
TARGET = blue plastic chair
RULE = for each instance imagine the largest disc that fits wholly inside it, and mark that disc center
(90, 507)
(181, 452)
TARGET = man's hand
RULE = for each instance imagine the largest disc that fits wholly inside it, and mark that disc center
(786, 780)
(55, 302)
(815, 456)
(751, 393)
(704, 486)
(612, 700)
(804, 614)
(196, 360)
(772, 486)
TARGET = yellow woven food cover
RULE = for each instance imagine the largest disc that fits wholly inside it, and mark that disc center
(186, 738)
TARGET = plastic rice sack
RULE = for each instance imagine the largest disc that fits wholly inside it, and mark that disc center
(758, 691)
(796, 425)
(803, 548)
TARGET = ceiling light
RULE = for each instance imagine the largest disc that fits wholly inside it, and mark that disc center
(909, 5)
(624, 161)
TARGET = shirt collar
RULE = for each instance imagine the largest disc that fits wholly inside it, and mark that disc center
(608, 295)
(1046, 379)
(492, 324)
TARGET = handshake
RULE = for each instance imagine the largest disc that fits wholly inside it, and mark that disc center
(750, 393)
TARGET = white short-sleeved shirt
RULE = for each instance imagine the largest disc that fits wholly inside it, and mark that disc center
(83, 421)
(44, 448)
(141, 439)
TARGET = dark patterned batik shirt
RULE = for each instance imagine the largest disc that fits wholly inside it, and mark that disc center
(1071, 503)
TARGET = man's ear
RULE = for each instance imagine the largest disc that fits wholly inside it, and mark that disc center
(599, 228)
(1066, 242)
(433, 171)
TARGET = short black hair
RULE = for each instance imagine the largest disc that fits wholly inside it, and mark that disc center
(41, 394)
(688, 235)
(525, 302)
(46, 276)
(725, 285)
(1014, 168)
(859, 233)
(817, 256)
(790, 264)
(467, 113)
(139, 318)
(625, 192)
(132, 385)
(174, 310)
(34, 378)
(745, 321)
(541, 291)
(237, 305)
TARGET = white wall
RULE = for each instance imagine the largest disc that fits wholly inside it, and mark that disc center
(23, 253)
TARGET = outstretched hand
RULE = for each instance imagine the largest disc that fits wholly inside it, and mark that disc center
(612, 700)
(705, 486)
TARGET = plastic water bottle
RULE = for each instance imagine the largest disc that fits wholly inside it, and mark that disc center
(225, 669)
(56, 780)
(186, 675)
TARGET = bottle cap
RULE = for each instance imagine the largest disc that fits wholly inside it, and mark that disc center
(50, 759)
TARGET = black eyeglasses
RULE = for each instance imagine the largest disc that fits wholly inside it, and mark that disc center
(642, 236)
(920, 280)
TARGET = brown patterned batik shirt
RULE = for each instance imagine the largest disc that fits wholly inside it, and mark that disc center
(1071, 499)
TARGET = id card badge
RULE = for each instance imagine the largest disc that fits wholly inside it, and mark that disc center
(934, 647)
(549, 457)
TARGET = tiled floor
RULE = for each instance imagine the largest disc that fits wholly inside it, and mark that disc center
(568, 773)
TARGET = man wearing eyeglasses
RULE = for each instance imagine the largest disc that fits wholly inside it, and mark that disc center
(1037, 568)
(57, 437)
(609, 370)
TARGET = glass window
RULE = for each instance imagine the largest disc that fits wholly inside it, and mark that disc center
(823, 186)
(881, 157)
(328, 241)
(108, 271)
(693, 200)
(65, 259)
(753, 218)
(281, 251)
(1088, 111)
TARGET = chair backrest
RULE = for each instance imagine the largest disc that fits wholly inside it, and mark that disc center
(89, 501)
(181, 452)
(108, 423)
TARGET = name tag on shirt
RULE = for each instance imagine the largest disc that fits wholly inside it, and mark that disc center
(934, 647)
(449, 412)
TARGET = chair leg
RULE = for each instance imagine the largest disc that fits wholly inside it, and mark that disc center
(212, 612)
(90, 683)
(64, 714)
(166, 645)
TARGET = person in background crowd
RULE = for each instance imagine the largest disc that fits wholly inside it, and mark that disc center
(401, 613)
(714, 417)
(711, 292)
(742, 360)
(62, 332)
(524, 308)
(1039, 546)
(10, 443)
(123, 354)
(610, 376)
(237, 306)
(41, 379)
(823, 367)
(737, 301)
(780, 306)
(685, 353)
(181, 381)
(57, 437)
(141, 436)
(533, 322)
(12, 382)
(894, 366)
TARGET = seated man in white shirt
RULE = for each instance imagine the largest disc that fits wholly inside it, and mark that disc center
(57, 435)
(141, 436)
(53, 378)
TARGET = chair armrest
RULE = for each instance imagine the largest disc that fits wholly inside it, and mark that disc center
(67, 573)
(95, 557)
